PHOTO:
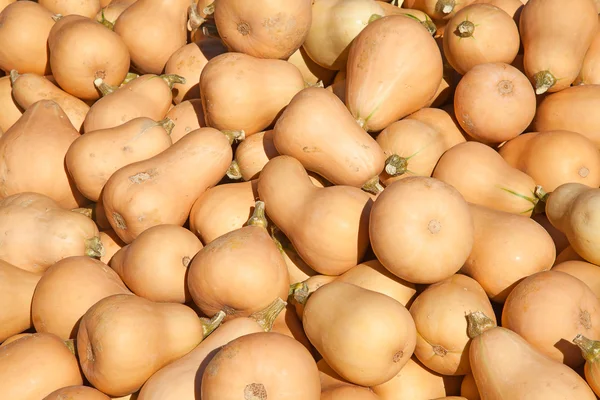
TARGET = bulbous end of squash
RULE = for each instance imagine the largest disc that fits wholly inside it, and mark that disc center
(94, 247)
(465, 29)
(590, 349)
(267, 317)
(396, 165)
(543, 81)
(445, 6)
(477, 323)
(373, 186)
(234, 172)
(209, 325)
(258, 217)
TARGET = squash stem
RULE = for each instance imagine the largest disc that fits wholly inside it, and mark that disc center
(103, 87)
(87, 211)
(106, 22)
(128, 78)
(396, 165)
(209, 325)
(299, 292)
(258, 217)
(209, 9)
(374, 17)
(70, 343)
(172, 79)
(94, 247)
(430, 26)
(543, 80)
(373, 186)
(57, 17)
(445, 6)
(465, 29)
(267, 317)
(14, 75)
(540, 193)
(167, 124)
(195, 21)
(477, 323)
(234, 136)
(590, 349)
(234, 172)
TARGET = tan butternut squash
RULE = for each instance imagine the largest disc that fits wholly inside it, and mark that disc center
(584, 271)
(439, 10)
(16, 292)
(402, 240)
(24, 30)
(111, 243)
(27, 89)
(560, 240)
(109, 13)
(443, 122)
(512, 149)
(68, 7)
(506, 249)
(589, 349)
(589, 73)
(511, 7)
(239, 370)
(14, 338)
(42, 135)
(155, 265)
(351, 157)
(556, 36)
(5, 3)
(329, 378)
(329, 245)
(301, 291)
(77, 392)
(67, 290)
(234, 107)
(548, 309)
(313, 73)
(478, 34)
(380, 82)
(349, 393)
(176, 178)
(145, 96)
(254, 153)
(93, 158)
(123, 339)
(418, 15)
(568, 254)
(298, 269)
(187, 117)
(69, 43)
(11, 111)
(505, 365)
(468, 387)
(482, 176)
(388, 339)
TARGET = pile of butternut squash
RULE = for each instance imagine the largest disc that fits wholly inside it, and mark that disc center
(299, 200)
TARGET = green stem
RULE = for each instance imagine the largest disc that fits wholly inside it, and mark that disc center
(94, 247)
(258, 217)
(110, 25)
(103, 87)
(172, 79)
(543, 80)
(590, 349)
(209, 325)
(396, 165)
(373, 186)
(267, 317)
(477, 323)
(167, 124)
(234, 136)
(72, 346)
(128, 78)
(540, 194)
(234, 172)
(374, 17)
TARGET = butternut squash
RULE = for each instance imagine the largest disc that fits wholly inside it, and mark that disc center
(111, 243)
(327, 226)
(263, 28)
(24, 30)
(313, 73)
(584, 271)
(589, 73)
(589, 349)
(187, 117)
(69, 43)
(505, 365)
(387, 340)
(348, 393)
(68, 7)
(351, 157)
(478, 34)
(506, 249)
(560, 240)
(239, 370)
(301, 291)
(468, 387)
(218, 281)
(494, 102)
(228, 107)
(555, 39)
(334, 26)
(16, 292)
(402, 240)
(254, 153)
(443, 123)
(123, 339)
(11, 111)
(548, 309)
(482, 176)
(27, 89)
(155, 265)
(42, 135)
(438, 10)
(94, 157)
(5, 3)
(512, 7)
(568, 254)
(77, 392)
(298, 269)
(423, 18)
(15, 338)
(109, 13)
(163, 188)
(382, 70)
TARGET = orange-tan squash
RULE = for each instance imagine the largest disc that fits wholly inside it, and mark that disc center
(439, 10)
(11, 111)
(111, 243)
(423, 18)
(5, 3)
(512, 7)
(590, 73)
(298, 269)
(560, 239)
(187, 117)
(313, 73)
(77, 392)
(468, 387)
(582, 270)
(87, 8)
(348, 393)
(443, 122)
(302, 291)
(109, 13)
(15, 338)
(254, 153)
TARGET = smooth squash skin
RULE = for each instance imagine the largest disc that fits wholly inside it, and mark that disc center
(230, 106)
(468, 387)
(67, 290)
(482, 176)
(302, 291)
(77, 392)
(548, 309)
(254, 153)
(298, 269)
(387, 335)
(506, 366)
(439, 10)
(560, 239)
(479, 34)
(16, 292)
(264, 28)
(512, 149)
(590, 73)
(571, 109)
(187, 117)
(494, 102)
(556, 36)
(402, 240)
(42, 136)
(512, 7)
(423, 18)
(162, 189)
(155, 265)
(111, 243)
(441, 121)
(444, 350)
(349, 393)
(37, 232)
(5, 3)
(153, 31)
(11, 111)
(582, 270)
(340, 151)
(93, 158)
(335, 24)
(182, 379)
(265, 364)
(19, 48)
(506, 249)
(123, 339)
(327, 226)
(27, 89)
(68, 7)
(382, 68)
(312, 72)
